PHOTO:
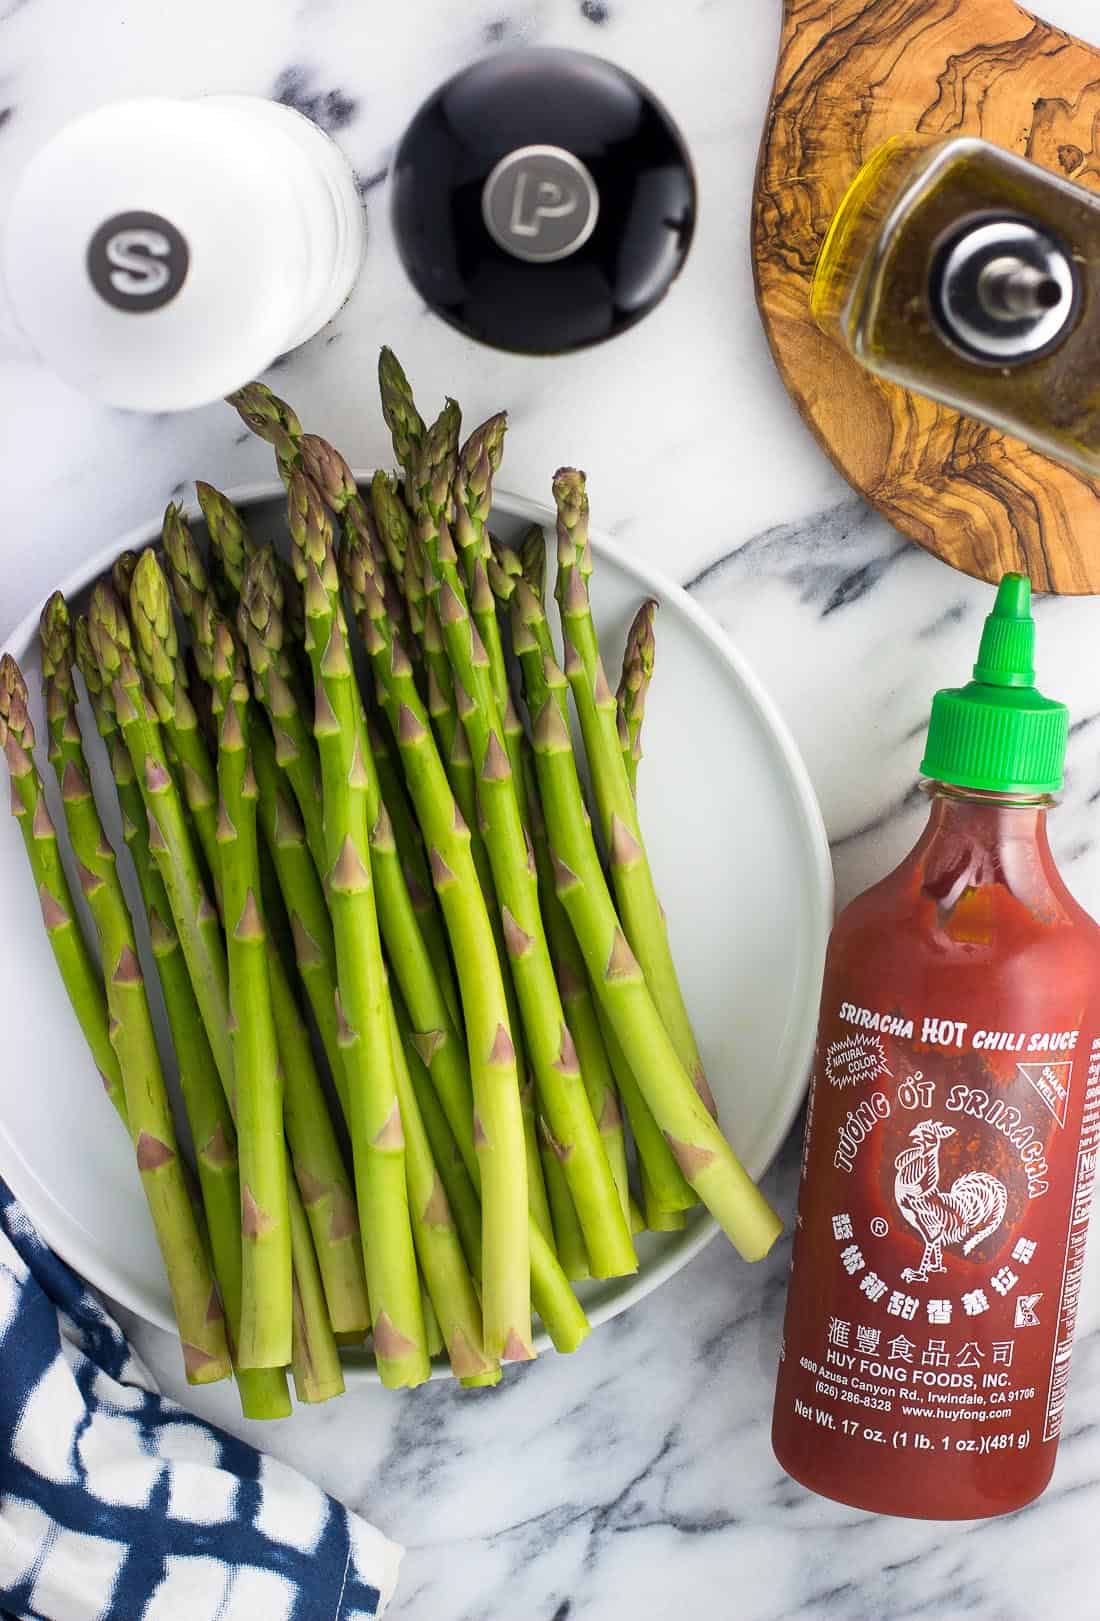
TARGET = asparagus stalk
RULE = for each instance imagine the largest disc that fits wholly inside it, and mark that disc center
(80, 975)
(315, 1354)
(404, 421)
(311, 926)
(532, 559)
(414, 865)
(669, 1188)
(171, 842)
(505, 574)
(267, 1303)
(459, 765)
(665, 1189)
(260, 621)
(478, 460)
(122, 572)
(263, 1391)
(392, 519)
(562, 1098)
(461, 775)
(438, 1246)
(272, 419)
(633, 687)
(703, 1154)
(195, 1299)
(558, 1306)
(230, 541)
(460, 772)
(568, 1236)
(458, 1185)
(376, 1131)
(635, 891)
(396, 680)
(494, 1149)
(580, 1011)
(262, 628)
(657, 1219)
(425, 975)
(315, 1152)
(157, 647)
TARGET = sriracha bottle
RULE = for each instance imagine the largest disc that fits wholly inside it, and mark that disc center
(951, 1134)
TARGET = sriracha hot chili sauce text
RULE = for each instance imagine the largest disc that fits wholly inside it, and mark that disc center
(951, 1133)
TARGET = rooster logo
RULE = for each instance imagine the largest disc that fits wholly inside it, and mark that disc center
(970, 1211)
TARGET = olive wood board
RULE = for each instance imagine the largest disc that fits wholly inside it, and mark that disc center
(850, 74)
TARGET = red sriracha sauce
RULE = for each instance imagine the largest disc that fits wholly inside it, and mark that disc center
(951, 1134)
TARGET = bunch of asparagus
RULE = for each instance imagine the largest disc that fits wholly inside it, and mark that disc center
(357, 823)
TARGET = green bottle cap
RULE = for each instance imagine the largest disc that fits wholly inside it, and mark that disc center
(999, 734)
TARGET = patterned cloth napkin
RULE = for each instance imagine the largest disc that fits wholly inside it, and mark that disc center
(118, 1505)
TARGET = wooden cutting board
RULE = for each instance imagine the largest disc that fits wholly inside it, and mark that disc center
(851, 73)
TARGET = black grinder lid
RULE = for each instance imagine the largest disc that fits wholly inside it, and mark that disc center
(543, 200)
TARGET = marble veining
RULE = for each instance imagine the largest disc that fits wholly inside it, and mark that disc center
(634, 1479)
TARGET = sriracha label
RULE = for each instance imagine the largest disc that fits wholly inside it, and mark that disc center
(946, 1181)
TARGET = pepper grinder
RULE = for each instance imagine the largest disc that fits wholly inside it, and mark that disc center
(542, 200)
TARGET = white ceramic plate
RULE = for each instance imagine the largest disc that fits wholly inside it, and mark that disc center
(742, 864)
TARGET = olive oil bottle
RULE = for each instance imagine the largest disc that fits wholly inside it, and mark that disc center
(970, 275)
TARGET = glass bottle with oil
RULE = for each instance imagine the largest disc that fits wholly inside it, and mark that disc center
(968, 274)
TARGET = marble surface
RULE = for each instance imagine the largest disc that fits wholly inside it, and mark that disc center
(635, 1478)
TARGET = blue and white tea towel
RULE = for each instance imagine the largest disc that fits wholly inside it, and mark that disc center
(118, 1505)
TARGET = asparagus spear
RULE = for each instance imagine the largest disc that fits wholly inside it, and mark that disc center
(315, 1152)
(377, 1137)
(633, 686)
(267, 1304)
(315, 1356)
(230, 541)
(666, 1192)
(269, 418)
(494, 1149)
(195, 1299)
(668, 1188)
(157, 647)
(568, 1236)
(458, 1185)
(171, 841)
(509, 586)
(263, 1391)
(414, 865)
(438, 1246)
(479, 966)
(274, 420)
(425, 974)
(635, 891)
(393, 520)
(560, 1306)
(656, 1219)
(173, 848)
(261, 625)
(122, 572)
(80, 976)
(404, 421)
(580, 1012)
(357, 565)
(703, 1154)
(473, 498)
(322, 463)
(562, 1097)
